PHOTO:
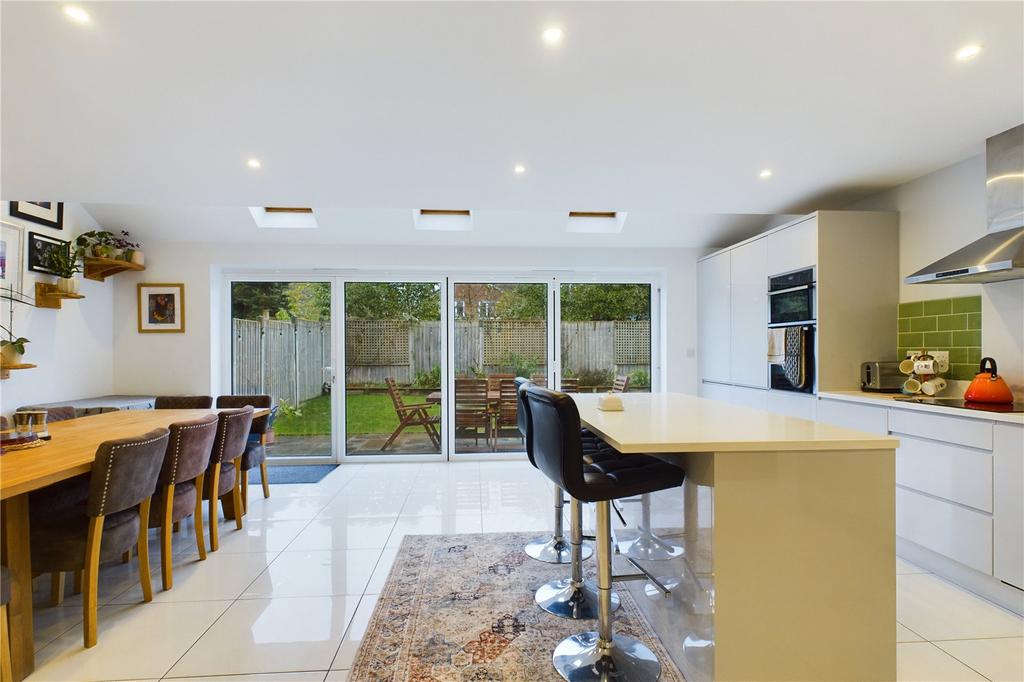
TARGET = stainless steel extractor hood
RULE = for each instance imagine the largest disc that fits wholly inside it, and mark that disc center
(999, 255)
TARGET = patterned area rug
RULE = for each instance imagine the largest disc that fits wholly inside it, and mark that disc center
(459, 608)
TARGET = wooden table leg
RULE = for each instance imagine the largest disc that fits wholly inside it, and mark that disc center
(19, 561)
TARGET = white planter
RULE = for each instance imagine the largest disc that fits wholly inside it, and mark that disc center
(138, 258)
(67, 285)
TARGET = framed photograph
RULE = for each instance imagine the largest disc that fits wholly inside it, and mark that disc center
(40, 247)
(161, 308)
(12, 255)
(49, 213)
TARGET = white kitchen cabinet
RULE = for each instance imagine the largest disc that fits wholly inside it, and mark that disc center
(858, 416)
(792, 404)
(713, 391)
(961, 534)
(713, 283)
(952, 472)
(749, 397)
(1008, 530)
(748, 314)
(793, 248)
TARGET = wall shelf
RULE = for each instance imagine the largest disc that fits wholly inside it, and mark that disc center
(5, 370)
(47, 296)
(100, 268)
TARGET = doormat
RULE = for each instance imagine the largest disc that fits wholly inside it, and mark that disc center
(296, 473)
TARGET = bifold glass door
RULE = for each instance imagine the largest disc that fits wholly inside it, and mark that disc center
(282, 346)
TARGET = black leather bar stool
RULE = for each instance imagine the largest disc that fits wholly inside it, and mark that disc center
(557, 450)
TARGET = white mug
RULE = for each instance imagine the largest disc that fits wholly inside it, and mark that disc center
(924, 367)
(911, 386)
(907, 366)
(933, 386)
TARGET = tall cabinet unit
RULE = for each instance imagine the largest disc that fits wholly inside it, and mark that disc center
(856, 301)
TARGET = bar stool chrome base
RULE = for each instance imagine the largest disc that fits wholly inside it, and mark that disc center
(553, 550)
(647, 546)
(581, 658)
(564, 599)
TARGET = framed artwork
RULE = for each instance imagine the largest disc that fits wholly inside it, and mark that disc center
(161, 308)
(49, 213)
(12, 255)
(39, 248)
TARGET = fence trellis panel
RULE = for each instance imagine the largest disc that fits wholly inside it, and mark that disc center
(281, 359)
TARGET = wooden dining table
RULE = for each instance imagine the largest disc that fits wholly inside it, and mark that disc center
(70, 452)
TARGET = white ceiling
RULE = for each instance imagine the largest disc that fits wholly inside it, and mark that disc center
(369, 110)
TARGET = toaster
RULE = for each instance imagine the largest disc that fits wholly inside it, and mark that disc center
(882, 377)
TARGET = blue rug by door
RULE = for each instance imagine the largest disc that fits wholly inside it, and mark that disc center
(298, 473)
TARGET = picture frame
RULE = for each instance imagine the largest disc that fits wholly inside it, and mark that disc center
(161, 308)
(39, 248)
(48, 213)
(12, 255)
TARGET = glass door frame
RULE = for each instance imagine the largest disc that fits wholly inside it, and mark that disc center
(227, 353)
(446, 278)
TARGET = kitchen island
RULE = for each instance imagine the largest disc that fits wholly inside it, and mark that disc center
(788, 535)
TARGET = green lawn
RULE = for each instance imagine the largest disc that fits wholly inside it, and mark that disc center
(364, 413)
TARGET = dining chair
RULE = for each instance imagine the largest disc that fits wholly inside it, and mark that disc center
(417, 414)
(472, 411)
(222, 481)
(621, 384)
(494, 381)
(6, 662)
(183, 402)
(255, 454)
(112, 519)
(508, 407)
(184, 469)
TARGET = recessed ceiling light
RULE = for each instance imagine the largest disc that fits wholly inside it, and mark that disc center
(77, 14)
(254, 163)
(968, 52)
(765, 174)
(552, 35)
(519, 169)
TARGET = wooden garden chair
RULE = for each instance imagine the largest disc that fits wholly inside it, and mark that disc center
(508, 407)
(621, 384)
(411, 415)
(472, 411)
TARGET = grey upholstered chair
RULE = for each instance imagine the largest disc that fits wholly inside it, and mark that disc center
(259, 424)
(183, 402)
(185, 462)
(255, 454)
(111, 521)
(222, 481)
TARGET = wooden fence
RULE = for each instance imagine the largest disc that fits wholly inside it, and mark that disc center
(286, 360)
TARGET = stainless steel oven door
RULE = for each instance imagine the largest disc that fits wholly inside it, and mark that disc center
(791, 361)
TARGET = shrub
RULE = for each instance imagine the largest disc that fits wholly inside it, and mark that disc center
(640, 379)
(428, 379)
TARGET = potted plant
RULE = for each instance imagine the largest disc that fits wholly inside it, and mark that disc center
(127, 248)
(98, 243)
(11, 350)
(64, 263)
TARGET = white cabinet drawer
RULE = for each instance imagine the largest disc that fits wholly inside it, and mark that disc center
(948, 471)
(974, 433)
(953, 531)
(854, 415)
(791, 404)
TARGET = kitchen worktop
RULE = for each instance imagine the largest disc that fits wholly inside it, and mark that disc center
(889, 400)
(677, 422)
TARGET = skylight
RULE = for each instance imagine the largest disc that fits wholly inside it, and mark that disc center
(283, 218)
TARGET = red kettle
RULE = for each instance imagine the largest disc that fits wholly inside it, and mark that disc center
(987, 386)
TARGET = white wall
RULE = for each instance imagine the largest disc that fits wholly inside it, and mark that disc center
(73, 346)
(182, 363)
(939, 213)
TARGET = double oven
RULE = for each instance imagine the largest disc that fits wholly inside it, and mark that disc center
(792, 321)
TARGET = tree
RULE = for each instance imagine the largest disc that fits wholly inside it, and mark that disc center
(598, 302)
(250, 299)
(393, 301)
(524, 302)
(309, 300)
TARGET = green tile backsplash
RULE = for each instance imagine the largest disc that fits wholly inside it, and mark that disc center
(952, 324)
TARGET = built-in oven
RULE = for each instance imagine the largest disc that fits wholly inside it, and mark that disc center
(792, 322)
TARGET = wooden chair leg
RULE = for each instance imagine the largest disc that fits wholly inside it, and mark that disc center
(214, 487)
(91, 580)
(176, 526)
(245, 491)
(142, 548)
(76, 588)
(166, 555)
(6, 664)
(264, 479)
(236, 493)
(197, 518)
(56, 588)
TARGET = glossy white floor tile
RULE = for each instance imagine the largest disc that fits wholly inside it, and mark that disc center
(270, 635)
(136, 641)
(289, 597)
(1000, 660)
(925, 662)
(936, 609)
(315, 574)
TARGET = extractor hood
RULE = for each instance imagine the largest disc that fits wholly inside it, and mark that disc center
(999, 255)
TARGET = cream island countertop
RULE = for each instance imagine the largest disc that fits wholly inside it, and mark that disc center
(677, 422)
